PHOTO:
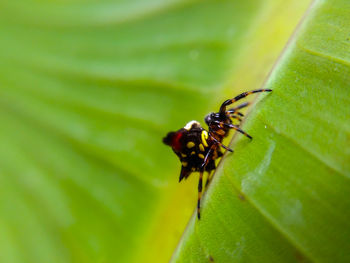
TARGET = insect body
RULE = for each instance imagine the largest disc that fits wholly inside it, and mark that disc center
(198, 149)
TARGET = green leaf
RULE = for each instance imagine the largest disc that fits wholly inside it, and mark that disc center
(89, 88)
(284, 197)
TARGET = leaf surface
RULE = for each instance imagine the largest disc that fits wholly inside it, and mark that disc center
(283, 197)
(88, 89)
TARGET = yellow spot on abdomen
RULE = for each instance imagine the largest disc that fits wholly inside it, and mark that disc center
(201, 156)
(201, 147)
(204, 136)
(184, 164)
(193, 153)
(183, 155)
(190, 144)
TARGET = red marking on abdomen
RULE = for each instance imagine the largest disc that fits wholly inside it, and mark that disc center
(176, 144)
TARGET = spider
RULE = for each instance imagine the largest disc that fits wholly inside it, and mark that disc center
(198, 149)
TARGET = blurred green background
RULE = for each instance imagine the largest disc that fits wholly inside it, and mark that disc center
(87, 91)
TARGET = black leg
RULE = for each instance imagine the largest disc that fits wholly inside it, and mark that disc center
(200, 185)
(238, 97)
(223, 146)
(210, 175)
(235, 127)
(206, 159)
(241, 106)
(232, 126)
(235, 117)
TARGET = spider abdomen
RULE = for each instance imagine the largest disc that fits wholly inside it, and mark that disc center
(194, 147)
(198, 149)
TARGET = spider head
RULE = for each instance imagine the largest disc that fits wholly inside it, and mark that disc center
(213, 117)
(209, 118)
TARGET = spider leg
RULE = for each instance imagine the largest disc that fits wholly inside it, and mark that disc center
(238, 97)
(200, 185)
(241, 106)
(240, 114)
(200, 182)
(223, 146)
(234, 110)
(206, 158)
(232, 126)
(210, 176)
(235, 117)
(235, 127)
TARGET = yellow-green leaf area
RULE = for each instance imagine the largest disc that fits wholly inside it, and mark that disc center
(283, 197)
(88, 89)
